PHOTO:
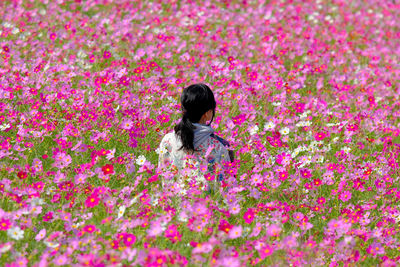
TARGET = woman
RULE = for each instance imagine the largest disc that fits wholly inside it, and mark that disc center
(193, 141)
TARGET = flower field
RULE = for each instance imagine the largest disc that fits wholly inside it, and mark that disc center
(307, 95)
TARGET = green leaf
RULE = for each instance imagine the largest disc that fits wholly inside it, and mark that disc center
(396, 140)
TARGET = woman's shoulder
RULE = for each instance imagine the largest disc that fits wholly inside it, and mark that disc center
(169, 136)
(171, 139)
(213, 143)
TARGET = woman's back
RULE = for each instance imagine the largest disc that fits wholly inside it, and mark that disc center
(210, 151)
(170, 154)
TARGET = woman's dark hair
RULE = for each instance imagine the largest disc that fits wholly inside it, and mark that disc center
(196, 99)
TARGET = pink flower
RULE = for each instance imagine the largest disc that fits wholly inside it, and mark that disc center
(299, 107)
(345, 196)
(352, 127)
(235, 232)
(306, 173)
(163, 118)
(283, 159)
(172, 233)
(53, 36)
(127, 124)
(283, 175)
(375, 248)
(298, 216)
(61, 260)
(40, 235)
(266, 251)
(273, 230)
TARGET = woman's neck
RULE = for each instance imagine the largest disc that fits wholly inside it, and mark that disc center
(202, 122)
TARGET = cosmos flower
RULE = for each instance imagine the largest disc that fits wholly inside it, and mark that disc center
(15, 233)
(235, 232)
(41, 234)
(284, 131)
(141, 160)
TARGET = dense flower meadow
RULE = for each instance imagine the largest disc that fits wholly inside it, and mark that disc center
(307, 94)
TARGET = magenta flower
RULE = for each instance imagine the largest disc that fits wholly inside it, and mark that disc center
(48, 216)
(5, 224)
(92, 201)
(248, 216)
(106, 54)
(319, 136)
(224, 226)
(89, 228)
(345, 196)
(129, 239)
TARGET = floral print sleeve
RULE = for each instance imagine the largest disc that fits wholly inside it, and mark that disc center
(164, 152)
(169, 153)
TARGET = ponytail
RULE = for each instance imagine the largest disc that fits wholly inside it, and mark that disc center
(196, 100)
(184, 129)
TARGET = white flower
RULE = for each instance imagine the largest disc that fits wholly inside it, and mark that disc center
(76, 225)
(7, 25)
(295, 153)
(304, 114)
(5, 126)
(5, 247)
(182, 217)
(121, 211)
(141, 160)
(320, 159)
(134, 200)
(182, 192)
(161, 150)
(15, 233)
(269, 126)
(81, 54)
(271, 160)
(172, 99)
(313, 144)
(51, 244)
(254, 130)
(276, 104)
(284, 131)
(154, 201)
